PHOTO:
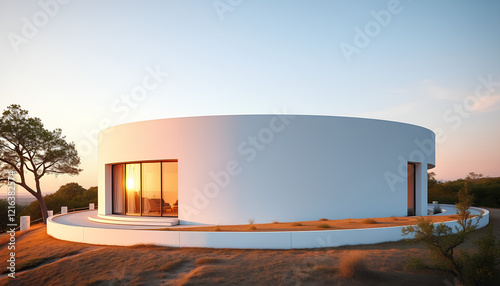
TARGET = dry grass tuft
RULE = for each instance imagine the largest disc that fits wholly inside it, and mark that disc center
(296, 224)
(205, 260)
(324, 225)
(171, 265)
(28, 264)
(323, 219)
(353, 265)
(250, 222)
(323, 268)
(217, 228)
(68, 253)
(35, 262)
(369, 221)
(275, 221)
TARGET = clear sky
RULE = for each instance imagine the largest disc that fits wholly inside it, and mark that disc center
(82, 65)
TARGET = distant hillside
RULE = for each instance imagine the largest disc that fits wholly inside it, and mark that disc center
(20, 200)
(486, 191)
(71, 195)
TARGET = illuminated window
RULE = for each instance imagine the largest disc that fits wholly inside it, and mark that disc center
(151, 189)
(169, 186)
(147, 189)
(133, 189)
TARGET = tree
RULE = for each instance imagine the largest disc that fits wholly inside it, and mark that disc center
(431, 179)
(26, 147)
(473, 176)
(71, 195)
(441, 240)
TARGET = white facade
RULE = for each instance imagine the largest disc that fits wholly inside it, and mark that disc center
(237, 168)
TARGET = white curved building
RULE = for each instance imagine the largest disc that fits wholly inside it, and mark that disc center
(236, 168)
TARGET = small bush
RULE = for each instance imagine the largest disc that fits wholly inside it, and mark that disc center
(479, 267)
(296, 224)
(353, 265)
(415, 263)
(369, 221)
(323, 219)
(324, 225)
(250, 222)
(217, 228)
(275, 221)
(204, 260)
(171, 265)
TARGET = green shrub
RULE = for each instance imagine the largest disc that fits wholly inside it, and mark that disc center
(415, 263)
(479, 267)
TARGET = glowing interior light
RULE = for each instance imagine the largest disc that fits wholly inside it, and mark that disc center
(130, 183)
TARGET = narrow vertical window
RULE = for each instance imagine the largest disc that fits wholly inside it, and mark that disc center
(170, 188)
(151, 189)
(118, 189)
(133, 189)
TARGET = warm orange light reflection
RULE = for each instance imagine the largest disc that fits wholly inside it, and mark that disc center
(130, 183)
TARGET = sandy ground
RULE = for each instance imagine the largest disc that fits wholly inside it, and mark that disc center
(84, 264)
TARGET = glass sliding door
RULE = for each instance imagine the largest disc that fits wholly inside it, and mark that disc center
(151, 189)
(118, 189)
(169, 188)
(411, 189)
(145, 188)
(133, 189)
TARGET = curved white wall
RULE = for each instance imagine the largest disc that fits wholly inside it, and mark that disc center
(277, 167)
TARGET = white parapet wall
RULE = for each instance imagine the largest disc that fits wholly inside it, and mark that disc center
(243, 240)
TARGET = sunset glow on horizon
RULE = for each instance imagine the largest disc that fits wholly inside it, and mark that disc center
(83, 66)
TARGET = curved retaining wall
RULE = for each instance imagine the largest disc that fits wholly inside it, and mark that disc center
(248, 240)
